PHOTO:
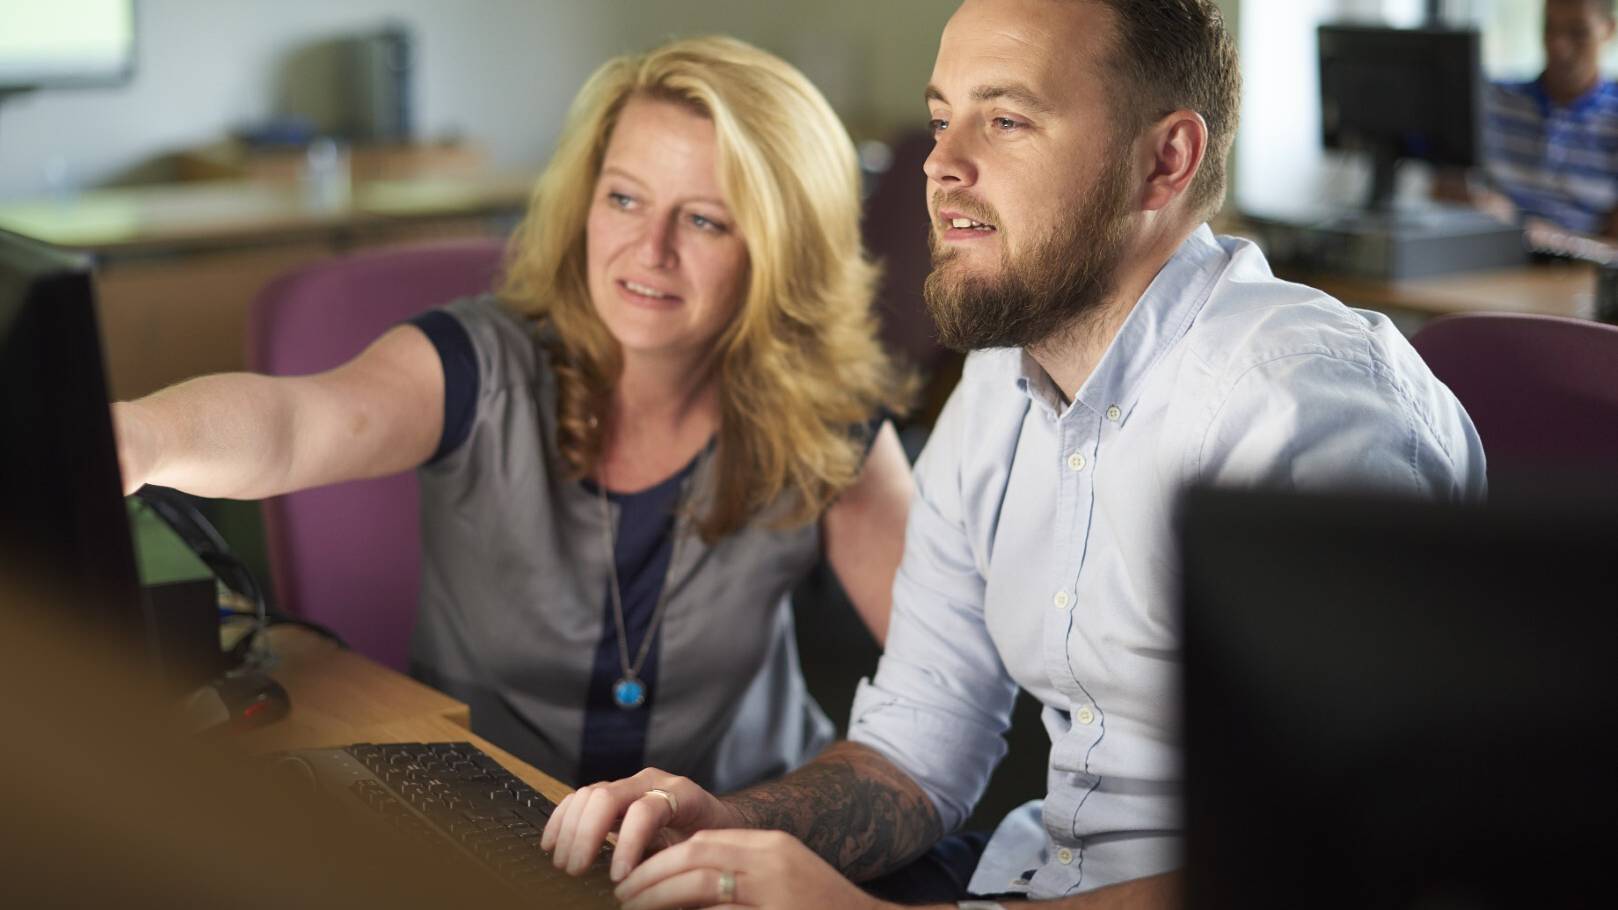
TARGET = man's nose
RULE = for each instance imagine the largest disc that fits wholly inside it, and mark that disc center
(952, 162)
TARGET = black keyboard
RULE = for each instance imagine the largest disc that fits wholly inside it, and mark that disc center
(454, 797)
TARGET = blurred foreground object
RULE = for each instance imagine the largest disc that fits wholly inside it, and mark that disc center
(108, 803)
(1399, 703)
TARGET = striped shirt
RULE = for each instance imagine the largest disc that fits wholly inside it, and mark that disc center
(1558, 162)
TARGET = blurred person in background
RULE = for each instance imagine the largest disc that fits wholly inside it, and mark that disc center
(1551, 143)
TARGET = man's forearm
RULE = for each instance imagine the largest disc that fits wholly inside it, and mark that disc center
(851, 806)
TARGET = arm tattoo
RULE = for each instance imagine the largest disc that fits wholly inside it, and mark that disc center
(851, 806)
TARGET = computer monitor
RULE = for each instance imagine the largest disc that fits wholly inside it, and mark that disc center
(62, 518)
(53, 44)
(1401, 94)
(1399, 704)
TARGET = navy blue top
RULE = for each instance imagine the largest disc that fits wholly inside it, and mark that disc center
(460, 377)
(614, 737)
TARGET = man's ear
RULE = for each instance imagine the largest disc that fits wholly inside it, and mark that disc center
(1176, 146)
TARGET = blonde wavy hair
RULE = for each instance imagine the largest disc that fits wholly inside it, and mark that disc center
(800, 369)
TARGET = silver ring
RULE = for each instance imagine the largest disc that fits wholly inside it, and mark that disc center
(727, 887)
(674, 804)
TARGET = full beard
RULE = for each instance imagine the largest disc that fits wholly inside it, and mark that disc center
(1050, 289)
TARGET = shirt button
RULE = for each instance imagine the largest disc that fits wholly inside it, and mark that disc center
(1064, 856)
(1076, 461)
(1085, 716)
(1113, 413)
(1062, 599)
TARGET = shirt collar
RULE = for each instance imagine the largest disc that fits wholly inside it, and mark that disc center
(1159, 319)
(1537, 90)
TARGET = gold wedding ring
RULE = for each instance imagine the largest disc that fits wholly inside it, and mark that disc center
(674, 804)
(727, 887)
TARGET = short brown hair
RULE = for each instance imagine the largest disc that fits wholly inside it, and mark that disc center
(1607, 8)
(1177, 54)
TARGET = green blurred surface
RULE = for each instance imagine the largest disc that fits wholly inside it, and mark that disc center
(160, 555)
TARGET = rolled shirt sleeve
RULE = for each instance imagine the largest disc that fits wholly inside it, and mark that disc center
(941, 699)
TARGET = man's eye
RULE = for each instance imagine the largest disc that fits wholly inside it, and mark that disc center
(1005, 124)
(937, 125)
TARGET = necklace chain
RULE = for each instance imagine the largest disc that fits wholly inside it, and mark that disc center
(632, 671)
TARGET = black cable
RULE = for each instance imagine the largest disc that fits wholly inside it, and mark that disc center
(180, 512)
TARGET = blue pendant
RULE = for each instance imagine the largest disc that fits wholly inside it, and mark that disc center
(629, 693)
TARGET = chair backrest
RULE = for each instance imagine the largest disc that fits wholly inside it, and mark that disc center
(349, 555)
(895, 231)
(1542, 390)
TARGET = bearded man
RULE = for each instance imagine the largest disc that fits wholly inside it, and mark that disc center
(1124, 352)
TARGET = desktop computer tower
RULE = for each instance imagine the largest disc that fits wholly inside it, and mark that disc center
(1389, 245)
(378, 75)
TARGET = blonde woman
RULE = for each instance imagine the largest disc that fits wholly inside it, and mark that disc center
(631, 454)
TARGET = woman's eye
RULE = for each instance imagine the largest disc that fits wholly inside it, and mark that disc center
(937, 125)
(620, 200)
(707, 224)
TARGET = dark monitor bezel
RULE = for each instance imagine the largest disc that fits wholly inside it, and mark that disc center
(65, 523)
(1390, 702)
(1437, 50)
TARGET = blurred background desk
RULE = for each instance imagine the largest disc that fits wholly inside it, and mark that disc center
(178, 264)
(1559, 288)
(1548, 289)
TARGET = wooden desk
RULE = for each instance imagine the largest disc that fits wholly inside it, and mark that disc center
(340, 697)
(119, 225)
(179, 265)
(1551, 289)
(1547, 289)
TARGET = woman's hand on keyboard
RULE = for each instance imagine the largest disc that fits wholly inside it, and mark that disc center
(650, 811)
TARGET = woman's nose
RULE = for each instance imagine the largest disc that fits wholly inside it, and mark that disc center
(656, 247)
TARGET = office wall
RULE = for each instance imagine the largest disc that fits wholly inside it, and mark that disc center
(497, 71)
(870, 57)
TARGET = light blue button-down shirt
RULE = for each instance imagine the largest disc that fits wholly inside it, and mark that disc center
(1040, 548)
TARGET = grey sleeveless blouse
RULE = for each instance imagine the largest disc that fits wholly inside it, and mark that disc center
(515, 572)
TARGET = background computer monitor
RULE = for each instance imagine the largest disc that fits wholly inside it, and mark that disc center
(1397, 704)
(1401, 94)
(52, 44)
(62, 517)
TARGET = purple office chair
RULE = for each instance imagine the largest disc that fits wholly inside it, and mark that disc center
(895, 231)
(1542, 390)
(348, 556)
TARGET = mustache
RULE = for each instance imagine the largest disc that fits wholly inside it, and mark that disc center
(959, 201)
